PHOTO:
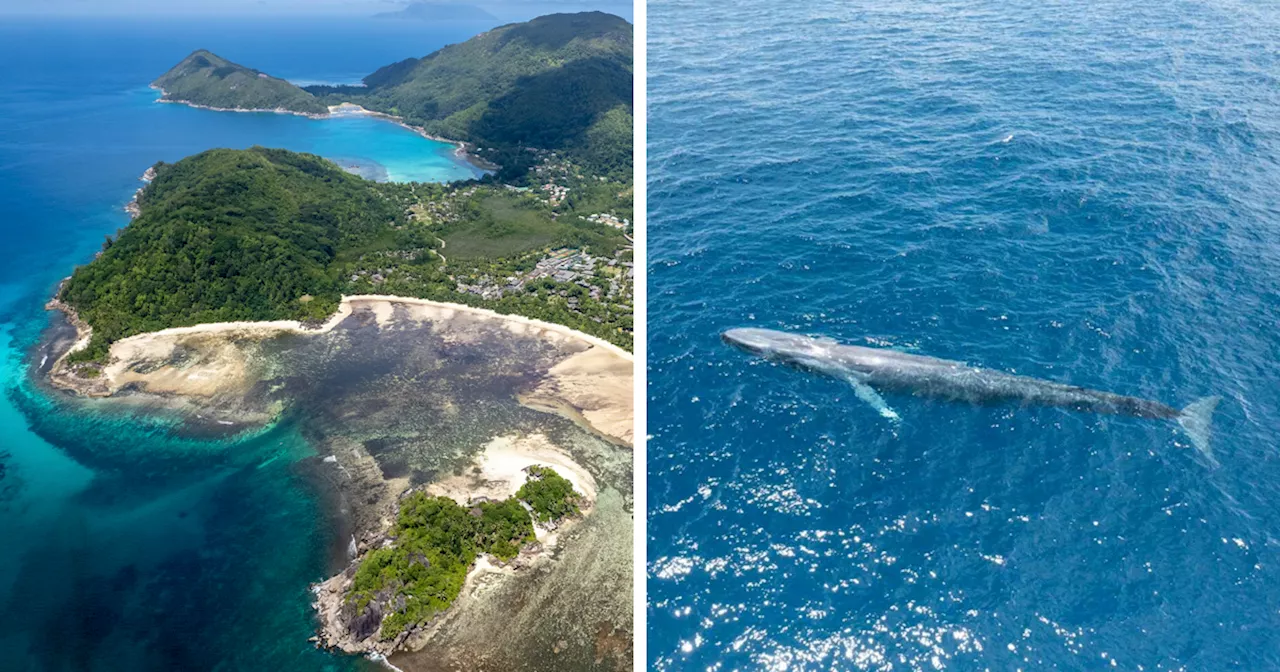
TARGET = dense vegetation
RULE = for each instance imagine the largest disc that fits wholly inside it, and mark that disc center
(561, 82)
(230, 235)
(206, 79)
(437, 540)
(265, 234)
(550, 495)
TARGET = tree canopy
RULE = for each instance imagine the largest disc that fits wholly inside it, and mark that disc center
(204, 78)
(436, 540)
(229, 235)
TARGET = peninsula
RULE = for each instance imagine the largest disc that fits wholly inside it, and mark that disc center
(205, 79)
(267, 234)
(419, 568)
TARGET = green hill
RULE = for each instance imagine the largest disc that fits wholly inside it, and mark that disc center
(558, 82)
(203, 78)
(229, 235)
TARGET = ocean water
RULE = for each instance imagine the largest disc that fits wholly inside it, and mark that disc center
(1079, 193)
(125, 546)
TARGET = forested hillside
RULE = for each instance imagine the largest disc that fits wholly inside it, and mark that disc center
(558, 82)
(229, 235)
(204, 78)
(268, 234)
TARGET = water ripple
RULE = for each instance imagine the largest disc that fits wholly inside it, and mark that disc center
(1071, 193)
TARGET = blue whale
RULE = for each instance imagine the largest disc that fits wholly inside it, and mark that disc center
(872, 369)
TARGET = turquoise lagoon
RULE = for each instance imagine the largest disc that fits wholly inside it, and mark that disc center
(373, 147)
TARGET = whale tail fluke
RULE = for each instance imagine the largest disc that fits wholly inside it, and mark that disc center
(1196, 420)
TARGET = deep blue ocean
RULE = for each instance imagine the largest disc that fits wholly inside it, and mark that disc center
(123, 547)
(1085, 192)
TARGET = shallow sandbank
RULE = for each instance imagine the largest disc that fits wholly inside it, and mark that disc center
(201, 364)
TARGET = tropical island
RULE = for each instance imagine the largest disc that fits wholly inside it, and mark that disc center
(420, 566)
(544, 236)
(480, 328)
(405, 401)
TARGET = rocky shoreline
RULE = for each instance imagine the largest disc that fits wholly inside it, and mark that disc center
(343, 629)
(164, 98)
(134, 206)
(495, 475)
(62, 374)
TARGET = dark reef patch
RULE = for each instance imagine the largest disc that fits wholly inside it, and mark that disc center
(361, 412)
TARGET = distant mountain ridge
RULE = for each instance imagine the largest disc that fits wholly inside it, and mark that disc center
(561, 82)
(438, 11)
(204, 78)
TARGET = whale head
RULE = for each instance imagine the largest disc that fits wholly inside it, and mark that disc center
(772, 344)
(817, 355)
(761, 342)
(754, 341)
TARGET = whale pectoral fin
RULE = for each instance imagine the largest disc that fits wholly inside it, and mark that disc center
(868, 394)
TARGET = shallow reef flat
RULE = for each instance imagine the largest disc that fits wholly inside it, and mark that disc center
(396, 396)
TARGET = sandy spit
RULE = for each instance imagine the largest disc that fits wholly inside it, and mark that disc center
(591, 388)
(499, 471)
(133, 345)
